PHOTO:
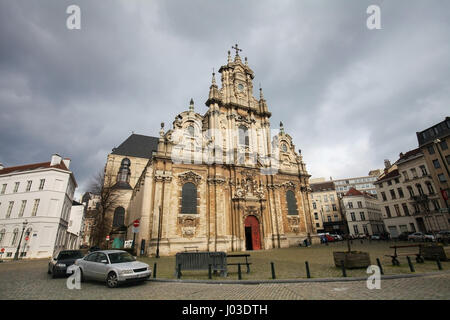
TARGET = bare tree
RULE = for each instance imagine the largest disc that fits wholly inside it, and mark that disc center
(103, 186)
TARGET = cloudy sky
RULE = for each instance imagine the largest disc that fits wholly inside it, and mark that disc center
(349, 96)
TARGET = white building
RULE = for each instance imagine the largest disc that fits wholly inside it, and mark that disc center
(363, 213)
(35, 204)
(363, 184)
(76, 226)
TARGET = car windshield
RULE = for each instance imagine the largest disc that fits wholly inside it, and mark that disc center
(120, 257)
(69, 255)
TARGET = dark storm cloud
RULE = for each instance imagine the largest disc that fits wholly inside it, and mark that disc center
(350, 97)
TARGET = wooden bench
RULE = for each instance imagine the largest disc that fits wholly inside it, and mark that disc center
(395, 256)
(190, 249)
(241, 256)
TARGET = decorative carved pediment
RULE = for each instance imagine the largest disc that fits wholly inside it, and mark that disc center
(190, 176)
(288, 185)
(188, 225)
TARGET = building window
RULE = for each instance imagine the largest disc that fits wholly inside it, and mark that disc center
(416, 208)
(405, 209)
(350, 205)
(359, 204)
(410, 190)
(388, 211)
(419, 188)
(22, 208)
(189, 198)
(314, 205)
(355, 229)
(331, 198)
(35, 207)
(316, 216)
(414, 172)
(124, 171)
(291, 202)
(392, 194)
(3, 188)
(366, 231)
(424, 170)
(400, 192)
(405, 175)
(119, 217)
(352, 215)
(14, 238)
(447, 158)
(430, 188)
(362, 215)
(397, 210)
(436, 163)
(436, 205)
(443, 145)
(16, 186)
(383, 195)
(29, 185)
(41, 184)
(2, 236)
(430, 149)
(10, 207)
(441, 177)
(389, 183)
(191, 131)
(243, 136)
(334, 207)
(329, 218)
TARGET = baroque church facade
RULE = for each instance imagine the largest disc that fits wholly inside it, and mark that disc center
(218, 181)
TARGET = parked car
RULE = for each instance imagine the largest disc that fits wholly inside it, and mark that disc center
(404, 236)
(113, 267)
(337, 237)
(419, 236)
(64, 259)
(443, 236)
(375, 236)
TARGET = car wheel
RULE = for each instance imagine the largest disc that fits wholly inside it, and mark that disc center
(48, 270)
(53, 273)
(81, 275)
(111, 280)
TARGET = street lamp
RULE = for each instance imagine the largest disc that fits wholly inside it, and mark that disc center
(16, 255)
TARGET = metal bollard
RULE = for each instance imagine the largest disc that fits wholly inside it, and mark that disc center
(209, 271)
(179, 271)
(154, 270)
(438, 262)
(380, 266)
(411, 267)
(239, 272)
(344, 272)
(272, 265)
(308, 274)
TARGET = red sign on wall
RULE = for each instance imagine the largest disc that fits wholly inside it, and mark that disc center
(444, 194)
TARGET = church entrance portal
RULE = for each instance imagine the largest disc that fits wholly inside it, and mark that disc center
(252, 235)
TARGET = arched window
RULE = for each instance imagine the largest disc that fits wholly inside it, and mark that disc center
(189, 198)
(119, 217)
(430, 188)
(284, 147)
(124, 171)
(243, 136)
(291, 202)
(191, 131)
(2, 236)
(14, 238)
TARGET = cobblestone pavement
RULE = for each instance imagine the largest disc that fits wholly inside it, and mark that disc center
(29, 280)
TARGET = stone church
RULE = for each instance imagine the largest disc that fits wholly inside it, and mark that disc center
(217, 181)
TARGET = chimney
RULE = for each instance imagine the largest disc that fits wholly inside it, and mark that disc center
(56, 159)
(1, 166)
(401, 155)
(66, 162)
(387, 163)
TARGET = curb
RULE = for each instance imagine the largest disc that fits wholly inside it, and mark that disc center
(255, 282)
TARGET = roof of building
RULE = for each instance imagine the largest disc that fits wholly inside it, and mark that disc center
(409, 154)
(34, 166)
(353, 192)
(137, 145)
(322, 186)
(389, 176)
(438, 131)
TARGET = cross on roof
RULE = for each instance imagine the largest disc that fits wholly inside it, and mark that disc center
(236, 48)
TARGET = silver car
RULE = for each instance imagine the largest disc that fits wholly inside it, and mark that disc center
(113, 266)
